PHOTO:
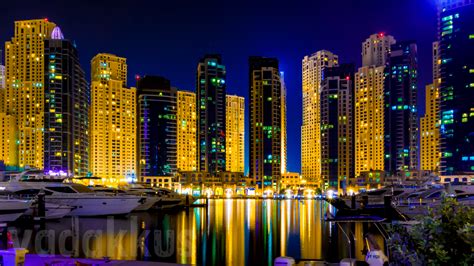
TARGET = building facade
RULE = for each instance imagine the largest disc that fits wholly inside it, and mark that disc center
(211, 114)
(235, 133)
(284, 136)
(337, 127)
(312, 69)
(8, 140)
(456, 52)
(401, 121)
(429, 131)
(265, 121)
(24, 82)
(369, 119)
(376, 49)
(186, 131)
(66, 109)
(156, 135)
(113, 126)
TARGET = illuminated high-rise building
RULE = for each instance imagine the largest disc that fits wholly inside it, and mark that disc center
(430, 153)
(66, 109)
(401, 121)
(376, 49)
(284, 136)
(156, 136)
(456, 52)
(8, 140)
(312, 74)
(235, 133)
(337, 127)
(24, 79)
(429, 131)
(113, 125)
(2, 87)
(369, 119)
(186, 132)
(265, 121)
(211, 104)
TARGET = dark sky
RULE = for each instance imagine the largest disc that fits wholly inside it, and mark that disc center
(167, 38)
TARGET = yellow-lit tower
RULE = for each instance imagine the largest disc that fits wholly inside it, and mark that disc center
(112, 120)
(312, 69)
(24, 82)
(430, 122)
(369, 119)
(186, 131)
(235, 133)
(430, 150)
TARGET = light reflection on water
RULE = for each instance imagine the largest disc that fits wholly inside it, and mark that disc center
(231, 232)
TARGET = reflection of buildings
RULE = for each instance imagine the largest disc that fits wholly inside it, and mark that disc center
(112, 120)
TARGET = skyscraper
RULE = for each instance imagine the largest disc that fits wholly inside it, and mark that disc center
(284, 148)
(186, 132)
(211, 104)
(337, 127)
(376, 49)
(430, 123)
(312, 69)
(401, 122)
(265, 121)
(156, 138)
(456, 51)
(429, 132)
(369, 119)
(66, 109)
(24, 95)
(235, 133)
(370, 104)
(113, 125)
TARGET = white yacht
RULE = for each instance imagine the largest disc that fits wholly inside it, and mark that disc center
(52, 211)
(12, 209)
(150, 197)
(84, 201)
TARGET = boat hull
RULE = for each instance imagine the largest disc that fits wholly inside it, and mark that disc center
(96, 205)
(11, 210)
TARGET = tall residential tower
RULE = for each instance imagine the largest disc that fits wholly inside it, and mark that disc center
(211, 114)
(235, 133)
(265, 121)
(312, 71)
(186, 132)
(113, 125)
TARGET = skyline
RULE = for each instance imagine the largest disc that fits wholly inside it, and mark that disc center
(176, 59)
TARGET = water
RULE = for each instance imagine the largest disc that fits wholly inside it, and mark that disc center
(229, 232)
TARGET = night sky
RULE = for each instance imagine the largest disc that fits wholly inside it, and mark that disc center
(167, 38)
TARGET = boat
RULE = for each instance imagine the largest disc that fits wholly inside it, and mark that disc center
(150, 197)
(170, 199)
(52, 211)
(12, 209)
(83, 200)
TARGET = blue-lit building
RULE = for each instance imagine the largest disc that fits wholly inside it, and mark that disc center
(211, 114)
(265, 121)
(337, 127)
(456, 41)
(156, 118)
(400, 104)
(66, 108)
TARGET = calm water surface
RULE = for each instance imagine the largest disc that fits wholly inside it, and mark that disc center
(228, 232)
